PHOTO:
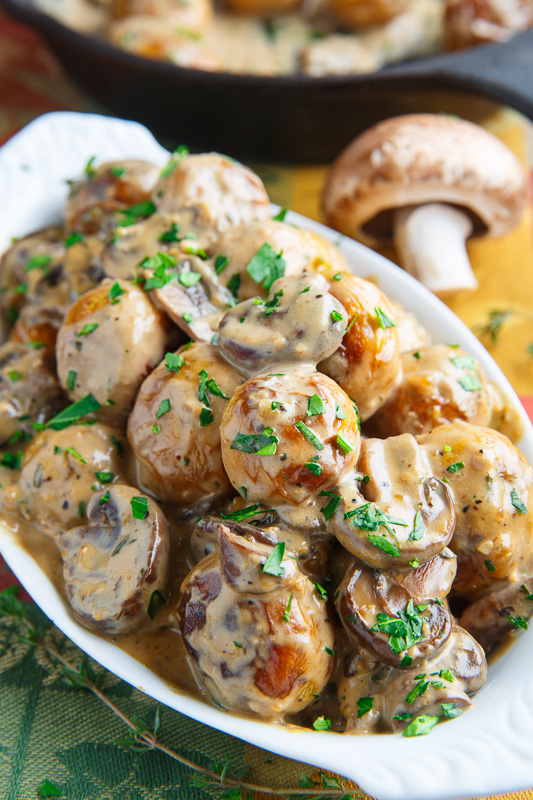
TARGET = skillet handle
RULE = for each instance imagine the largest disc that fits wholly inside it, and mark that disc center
(503, 72)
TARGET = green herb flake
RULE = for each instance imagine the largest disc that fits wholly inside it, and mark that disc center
(383, 320)
(329, 651)
(117, 171)
(404, 631)
(136, 212)
(364, 705)
(74, 453)
(419, 528)
(421, 726)
(81, 508)
(464, 362)
(446, 675)
(172, 235)
(337, 276)
(157, 601)
(71, 380)
(259, 443)
(73, 238)
(309, 434)
(336, 316)
(206, 417)
(89, 170)
(414, 563)
(239, 645)
(139, 507)
(275, 405)
(104, 477)
(453, 468)
(272, 565)
(518, 622)
(173, 362)
(322, 724)
(188, 279)
(245, 513)
(316, 469)
(490, 566)
(115, 293)
(418, 356)
(287, 612)
(344, 443)
(329, 509)
(117, 445)
(388, 547)
(280, 216)
(470, 383)
(49, 789)
(221, 262)
(88, 328)
(187, 318)
(403, 716)
(164, 407)
(105, 498)
(177, 155)
(518, 503)
(450, 710)
(340, 413)
(38, 262)
(322, 593)
(14, 375)
(315, 405)
(266, 266)
(234, 285)
(11, 461)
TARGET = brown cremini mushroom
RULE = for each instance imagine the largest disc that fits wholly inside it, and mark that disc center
(427, 182)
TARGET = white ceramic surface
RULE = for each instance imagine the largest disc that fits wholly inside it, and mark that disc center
(486, 751)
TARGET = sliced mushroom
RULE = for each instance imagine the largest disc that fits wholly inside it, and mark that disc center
(113, 565)
(251, 256)
(174, 426)
(492, 487)
(96, 200)
(288, 435)
(204, 536)
(299, 322)
(367, 363)
(29, 390)
(111, 339)
(258, 635)
(439, 384)
(398, 617)
(438, 687)
(400, 515)
(61, 470)
(495, 614)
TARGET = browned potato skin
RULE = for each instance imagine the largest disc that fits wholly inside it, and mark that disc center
(367, 364)
(359, 13)
(272, 479)
(53, 484)
(161, 457)
(112, 565)
(96, 198)
(227, 598)
(429, 394)
(111, 361)
(489, 528)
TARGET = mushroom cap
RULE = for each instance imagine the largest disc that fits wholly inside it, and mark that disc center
(423, 158)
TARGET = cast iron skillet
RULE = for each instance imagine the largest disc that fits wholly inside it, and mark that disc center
(290, 118)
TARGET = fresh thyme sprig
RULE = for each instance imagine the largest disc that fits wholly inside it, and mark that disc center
(142, 736)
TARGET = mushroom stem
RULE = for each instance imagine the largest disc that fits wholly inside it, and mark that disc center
(430, 239)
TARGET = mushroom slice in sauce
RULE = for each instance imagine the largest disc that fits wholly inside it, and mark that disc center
(223, 192)
(288, 435)
(174, 426)
(251, 256)
(204, 536)
(259, 637)
(401, 515)
(440, 686)
(492, 488)
(299, 322)
(113, 565)
(367, 363)
(439, 384)
(119, 320)
(29, 390)
(61, 469)
(495, 614)
(95, 202)
(398, 621)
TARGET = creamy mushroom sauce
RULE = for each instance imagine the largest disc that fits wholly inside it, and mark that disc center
(215, 509)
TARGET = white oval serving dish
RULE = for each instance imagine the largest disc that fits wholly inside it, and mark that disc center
(486, 751)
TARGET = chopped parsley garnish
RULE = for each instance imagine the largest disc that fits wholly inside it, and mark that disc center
(329, 509)
(315, 405)
(234, 284)
(118, 445)
(405, 630)
(322, 724)
(188, 279)
(517, 503)
(159, 264)
(262, 444)
(370, 518)
(417, 355)
(280, 216)
(287, 612)
(244, 513)
(88, 328)
(221, 262)
(104, 477)
(208, 386)
(403, 716)
(187, 318)
(73, 238)
(316, 469)
(11, 461)
(239, 645)
(206, 417)
(340, 413)
(156, 428)
(518, 622)
(157, 601)
(73, 413)
(272, 565)
(364, 705)
(329, 651)
(14, 375)
(171, 235)
(304, 291)
(459, 465)
(177, 155)
(420, 689)
(421, 726)
(309, 434)
(450, 710)
(134, 213)
(336, 316)
(383, 320)
(115, 293)
(164, 406)
(320, 589)
(89, 170)
(464, 362)
(350, 326)
(173, 362)
(388, 547)
(271, 305)
(71, 380)
(419, 528)
(74, 453)
(105, 498)
(447, 675)
(490, 566)
(117, 171)
(266, 266)
(139, 507)
(337, 276)
(344, 443)
(275, 404)
(470, 383)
